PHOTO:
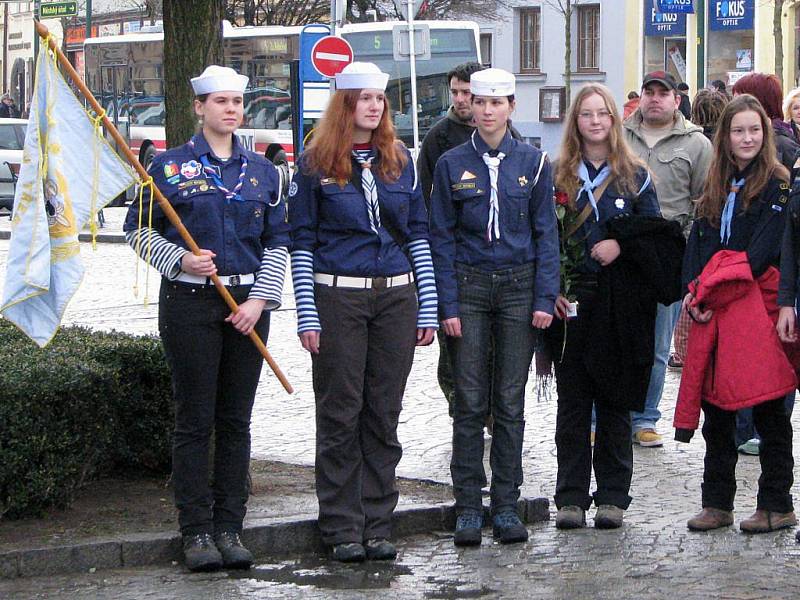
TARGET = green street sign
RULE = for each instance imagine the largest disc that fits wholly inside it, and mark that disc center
(58, 9)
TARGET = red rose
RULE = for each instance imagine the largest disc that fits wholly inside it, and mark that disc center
(561, 199)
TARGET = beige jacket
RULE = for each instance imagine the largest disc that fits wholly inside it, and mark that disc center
(679, 165)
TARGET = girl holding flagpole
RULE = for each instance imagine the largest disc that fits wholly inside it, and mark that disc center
(359, 246)
(229, 200)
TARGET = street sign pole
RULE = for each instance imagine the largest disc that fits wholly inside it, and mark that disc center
(412, 61)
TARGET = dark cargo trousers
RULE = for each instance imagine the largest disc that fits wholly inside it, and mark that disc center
(215, 372)
(366, 350)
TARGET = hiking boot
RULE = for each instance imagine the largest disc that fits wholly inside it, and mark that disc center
(570, 517)
(468, 530)
(674, 362)
(234, 554)
(608, 516)
(710, 518)
(648, 438)
(380, 549)
(763, 521)
(508, 528)
(200, 553)
(751, 447)
(349, 552)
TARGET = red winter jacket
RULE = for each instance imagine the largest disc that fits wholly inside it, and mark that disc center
(736, 359)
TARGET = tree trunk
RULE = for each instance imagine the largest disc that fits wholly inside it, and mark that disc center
(192, 41)
(777, 30)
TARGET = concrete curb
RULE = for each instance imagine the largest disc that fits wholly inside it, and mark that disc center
(275, 538)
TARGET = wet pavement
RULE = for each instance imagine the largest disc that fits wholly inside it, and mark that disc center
(653, 556)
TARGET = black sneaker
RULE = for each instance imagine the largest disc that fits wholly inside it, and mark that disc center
(380, 549)
(468, 530)
(349, 552)
(508, 528)
(234, 554)
(200, 553)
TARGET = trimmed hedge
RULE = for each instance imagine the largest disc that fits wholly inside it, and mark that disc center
(88, 404)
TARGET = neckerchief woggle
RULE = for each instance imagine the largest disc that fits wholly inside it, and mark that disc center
(589, 185)
(214, 173)
(727, 212)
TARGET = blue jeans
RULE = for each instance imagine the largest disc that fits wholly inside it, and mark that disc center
(495, 303)
(666, 317)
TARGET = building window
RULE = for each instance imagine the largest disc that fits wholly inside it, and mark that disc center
(486, 49)
(588, 37)
(530, 36)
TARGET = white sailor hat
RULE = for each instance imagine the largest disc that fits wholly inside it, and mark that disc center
(219, 79)
(492, 82)
(360, 76)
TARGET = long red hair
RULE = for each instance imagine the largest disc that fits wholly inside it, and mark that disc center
(329, 152)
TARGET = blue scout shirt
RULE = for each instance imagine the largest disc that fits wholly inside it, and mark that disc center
(238, 230)
(757, 231)
(332, 222)
(613, 204)
(460, 214)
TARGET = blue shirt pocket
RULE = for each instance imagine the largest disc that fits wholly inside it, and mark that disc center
(395, 201)
(474, 209)
(342, 207)
(514, 212)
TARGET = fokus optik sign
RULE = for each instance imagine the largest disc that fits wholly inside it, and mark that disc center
(657, 23)
(729, 15)
(675, 6)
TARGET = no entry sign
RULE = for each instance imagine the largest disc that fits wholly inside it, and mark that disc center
(330, 55)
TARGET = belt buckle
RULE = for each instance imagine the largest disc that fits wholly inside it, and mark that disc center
(379, 283)
(233, 280)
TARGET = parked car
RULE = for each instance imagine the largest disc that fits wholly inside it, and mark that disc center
(12, 138)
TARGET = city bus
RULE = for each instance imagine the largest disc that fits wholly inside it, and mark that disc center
(125, 73)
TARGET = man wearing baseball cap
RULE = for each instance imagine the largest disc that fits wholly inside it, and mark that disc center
(678, 155)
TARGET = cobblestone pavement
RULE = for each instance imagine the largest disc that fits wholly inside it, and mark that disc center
(654, 556)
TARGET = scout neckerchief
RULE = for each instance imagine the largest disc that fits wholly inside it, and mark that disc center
(365, 158)
(727, 212)
(493, 162)
(589, 184)
(214, 173)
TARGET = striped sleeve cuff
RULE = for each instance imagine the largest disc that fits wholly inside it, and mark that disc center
(420, 252)
(270, 276)
(303, 281)
(164, 256)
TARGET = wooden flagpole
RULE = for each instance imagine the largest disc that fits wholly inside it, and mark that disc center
(170, 213)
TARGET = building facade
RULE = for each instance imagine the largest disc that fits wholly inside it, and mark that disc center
(615, 42)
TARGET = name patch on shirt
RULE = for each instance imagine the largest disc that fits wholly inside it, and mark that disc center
(463, 186)
(191, 182)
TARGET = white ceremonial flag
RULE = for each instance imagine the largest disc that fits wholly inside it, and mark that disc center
(69, 171)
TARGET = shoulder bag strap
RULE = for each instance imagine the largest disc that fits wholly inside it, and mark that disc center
(587, 210)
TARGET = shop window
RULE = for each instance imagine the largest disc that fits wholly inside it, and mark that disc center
(588, 37)
(486, 49)
(530, 36)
